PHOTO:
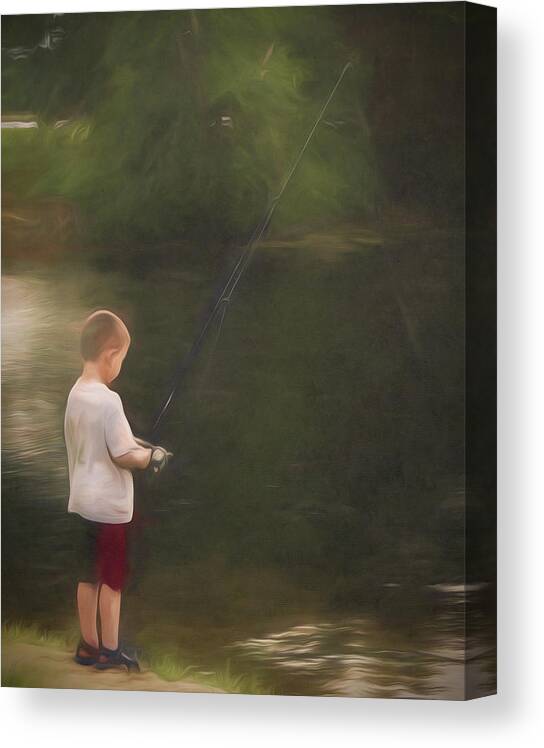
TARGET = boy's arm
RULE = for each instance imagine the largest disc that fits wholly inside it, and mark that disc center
(127, 451)
(155, 458)
(137, 458)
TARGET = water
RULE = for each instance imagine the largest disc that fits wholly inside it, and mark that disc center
(311, 527)
(358, 658)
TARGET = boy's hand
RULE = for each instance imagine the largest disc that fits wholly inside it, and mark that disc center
(159, 459)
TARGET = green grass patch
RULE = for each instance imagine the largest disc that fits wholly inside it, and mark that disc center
(167, 666)
(171, 668)
(17, 677)
(174, 668)
(231, 682)
(24, 633)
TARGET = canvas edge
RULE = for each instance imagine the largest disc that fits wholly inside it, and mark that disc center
(481, 337)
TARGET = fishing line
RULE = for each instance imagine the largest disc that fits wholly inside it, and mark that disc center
(214, 347)
(238, 270)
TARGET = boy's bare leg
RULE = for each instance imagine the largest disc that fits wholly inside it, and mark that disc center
(87, 603)
(110, 609)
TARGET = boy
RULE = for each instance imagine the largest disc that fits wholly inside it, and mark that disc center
(101, 453)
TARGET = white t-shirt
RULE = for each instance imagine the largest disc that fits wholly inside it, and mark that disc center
(95, 430)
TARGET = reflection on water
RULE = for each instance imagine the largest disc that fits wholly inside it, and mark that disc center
(37, 364)
(357, 657)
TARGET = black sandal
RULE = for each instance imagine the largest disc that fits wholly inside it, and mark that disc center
(91, 658)
(110, 658)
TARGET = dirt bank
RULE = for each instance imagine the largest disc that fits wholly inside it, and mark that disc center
(47, 667)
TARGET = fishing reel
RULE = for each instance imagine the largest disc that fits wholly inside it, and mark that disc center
(160, 456)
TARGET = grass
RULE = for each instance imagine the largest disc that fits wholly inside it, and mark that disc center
(249, 683)
(165, 665)
(172, 668)
(24, 633)
(19, 678)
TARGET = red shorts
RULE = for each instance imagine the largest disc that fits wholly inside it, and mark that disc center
(104, 553)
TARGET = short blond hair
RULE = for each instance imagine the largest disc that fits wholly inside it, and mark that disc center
(102, 329)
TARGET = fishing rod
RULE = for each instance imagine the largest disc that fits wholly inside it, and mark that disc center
(219, 306)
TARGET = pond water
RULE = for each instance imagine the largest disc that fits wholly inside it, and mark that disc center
(310, 528)
(358, 657)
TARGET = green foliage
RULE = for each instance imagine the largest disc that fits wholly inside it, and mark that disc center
(188, 120)
(44, 161)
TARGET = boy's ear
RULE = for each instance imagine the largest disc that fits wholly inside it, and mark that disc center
(109, 354)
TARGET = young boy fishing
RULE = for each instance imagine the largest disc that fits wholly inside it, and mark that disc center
(102, 452)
